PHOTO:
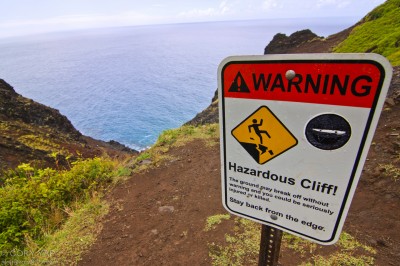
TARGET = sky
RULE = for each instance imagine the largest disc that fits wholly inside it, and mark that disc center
(24, 17)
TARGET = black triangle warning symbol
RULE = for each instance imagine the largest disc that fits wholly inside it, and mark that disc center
(239, 85)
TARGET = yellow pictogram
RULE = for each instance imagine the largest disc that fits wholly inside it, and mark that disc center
(263, 135)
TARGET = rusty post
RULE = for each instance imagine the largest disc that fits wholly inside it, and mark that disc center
(270, 246)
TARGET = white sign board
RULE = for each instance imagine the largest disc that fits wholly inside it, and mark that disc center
(295, 132)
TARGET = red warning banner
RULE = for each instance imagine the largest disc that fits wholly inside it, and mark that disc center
(345, 83)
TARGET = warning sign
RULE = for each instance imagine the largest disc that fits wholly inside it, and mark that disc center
(295, 133)
(263, 136)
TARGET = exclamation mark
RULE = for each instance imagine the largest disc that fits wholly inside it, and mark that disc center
(334, 190)
(239, 83)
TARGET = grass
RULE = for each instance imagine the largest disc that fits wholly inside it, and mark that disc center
(39, 143)
(76, 235)
(241, 247)
(39, 207)
(348, 243)
(379, 33)
(391, 171)
(215, 220)
(173, 138)
(341, 259)
(346, 255)
(143, 156)
(184, 134)
(298, 245)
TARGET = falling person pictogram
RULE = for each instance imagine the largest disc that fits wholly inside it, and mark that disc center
(263, 135)
(256, 127)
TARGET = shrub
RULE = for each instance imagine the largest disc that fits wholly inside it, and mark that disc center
(34, 202)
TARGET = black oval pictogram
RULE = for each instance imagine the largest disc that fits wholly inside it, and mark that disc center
(328, 131)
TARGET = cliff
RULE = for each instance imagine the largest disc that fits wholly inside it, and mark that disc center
(31, 132)
(15, 107)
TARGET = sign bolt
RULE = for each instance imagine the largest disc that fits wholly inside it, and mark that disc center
(290, 74)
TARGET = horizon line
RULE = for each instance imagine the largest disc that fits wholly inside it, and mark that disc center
(47, 32)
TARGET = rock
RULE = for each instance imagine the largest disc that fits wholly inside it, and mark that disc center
(382, 242)
(208, 115)
(166, 209)
(118, 146)
(390, 101)
(145, 162)
(372, 242)
(6, 88)
(281, 43)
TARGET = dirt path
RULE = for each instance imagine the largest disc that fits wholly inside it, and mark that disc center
(158, 217)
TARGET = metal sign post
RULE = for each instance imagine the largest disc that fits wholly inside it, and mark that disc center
(270, 246)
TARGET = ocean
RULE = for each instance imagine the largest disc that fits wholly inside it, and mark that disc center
(128, 84)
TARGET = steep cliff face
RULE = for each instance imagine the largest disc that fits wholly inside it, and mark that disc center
(31, 132)
(15, 107)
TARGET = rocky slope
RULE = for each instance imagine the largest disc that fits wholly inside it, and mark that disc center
(34, 133)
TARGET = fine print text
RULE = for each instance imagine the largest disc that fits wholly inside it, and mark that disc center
(266, 195)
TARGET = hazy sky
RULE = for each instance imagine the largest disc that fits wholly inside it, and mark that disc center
(20, 17)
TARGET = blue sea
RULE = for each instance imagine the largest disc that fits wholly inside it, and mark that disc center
(130, 83)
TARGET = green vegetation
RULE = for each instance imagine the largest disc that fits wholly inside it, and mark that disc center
(34, 203)
(51, 215)
(379, 33)
(242, 248)
(184, 134)
(349, 243)
(348, 247)
(78, 233)
(174, 138)
(143, 156)
(341, 259)
(38, 143)
(214, 220)
(391, 171)
(299, 245)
